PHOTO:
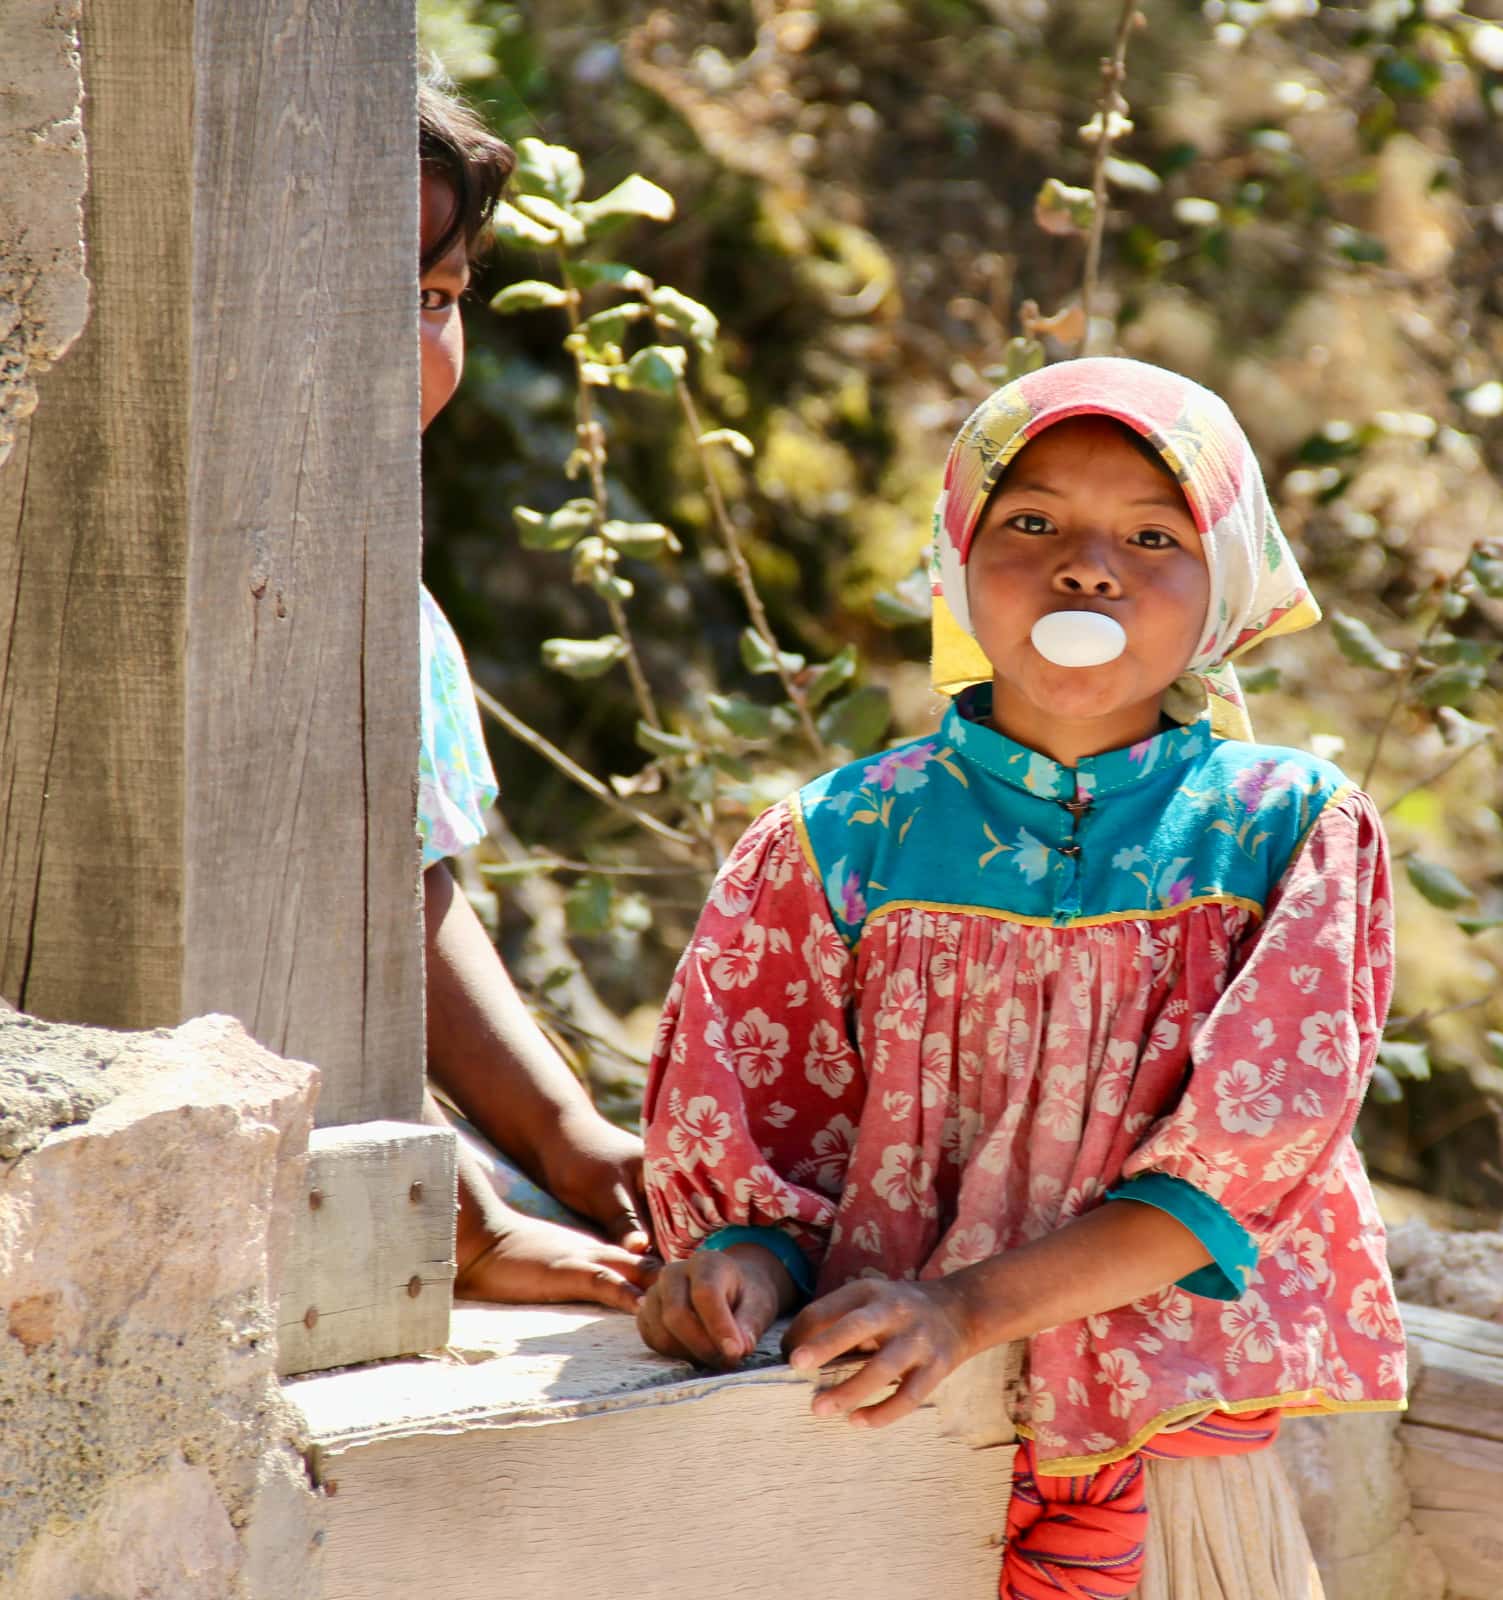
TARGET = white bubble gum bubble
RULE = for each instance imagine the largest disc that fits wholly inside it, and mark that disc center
(1078, 638)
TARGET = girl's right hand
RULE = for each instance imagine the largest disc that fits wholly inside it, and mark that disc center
(715, 1306)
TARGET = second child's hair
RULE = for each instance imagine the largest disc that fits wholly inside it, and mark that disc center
(454, 145)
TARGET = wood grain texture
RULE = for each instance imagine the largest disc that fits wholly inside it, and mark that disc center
(302, 720)
(375, 1219)
(1452, 1436)
(737, 1491)
(93, 538)
(209, 554)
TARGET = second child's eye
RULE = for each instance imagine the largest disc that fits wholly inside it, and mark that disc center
(1155, 539)
(1030, 522)
(435, 299)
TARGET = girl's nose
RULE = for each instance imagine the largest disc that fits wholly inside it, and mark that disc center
(1085, 571)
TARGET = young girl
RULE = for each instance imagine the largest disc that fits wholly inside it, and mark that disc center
(1053, 1025)
(485, 1053)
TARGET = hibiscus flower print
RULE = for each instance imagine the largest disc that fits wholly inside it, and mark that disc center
(1115, 1078)
(934, 1065)
(1290, 1160)
(830, 1063)
(1251, 1331)
(1167, 1311)
(1372, 1313)
(826, 956)
(1125, 1380)
(1303, 1262)
(1062, 1104)
(764, 1194)
(967, 1246)
(758, 1045)
(906, 1180)
(944, 964)
(1245, 1098)
(1038, 1403)
(737, 965)
(867, 1236)
(976, 997)
(1009, 1037)
(902, 1005)
(700, 1129)
(734, 889)
(1328, 1042)
(833, 1145)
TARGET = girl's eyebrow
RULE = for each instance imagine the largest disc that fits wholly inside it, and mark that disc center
(1164, 502)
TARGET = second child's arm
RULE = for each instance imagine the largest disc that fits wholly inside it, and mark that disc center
(1120, 1252)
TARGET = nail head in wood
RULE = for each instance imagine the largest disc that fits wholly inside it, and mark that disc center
(415, 1193)
(414, 1286)
(310, 1318)
(315, 1199)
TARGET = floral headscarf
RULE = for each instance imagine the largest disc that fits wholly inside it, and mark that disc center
(1257, 589)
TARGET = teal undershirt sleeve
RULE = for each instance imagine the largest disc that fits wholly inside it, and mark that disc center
(780, 1245)
(1233, 1253)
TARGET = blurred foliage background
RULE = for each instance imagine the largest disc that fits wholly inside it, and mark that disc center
(1305, 213)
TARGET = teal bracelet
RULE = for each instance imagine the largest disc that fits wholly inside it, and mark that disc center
(778, 1244)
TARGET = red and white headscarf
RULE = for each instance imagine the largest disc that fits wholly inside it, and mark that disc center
(1257, 589)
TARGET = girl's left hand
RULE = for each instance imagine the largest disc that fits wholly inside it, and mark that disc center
(595, 1168)
(918, 1333)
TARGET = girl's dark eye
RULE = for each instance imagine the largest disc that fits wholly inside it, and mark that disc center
(436, 299)
(1031, 522)
(1156, 539)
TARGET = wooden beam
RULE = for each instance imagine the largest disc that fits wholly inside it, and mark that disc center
(209, 553)
(370, 1271)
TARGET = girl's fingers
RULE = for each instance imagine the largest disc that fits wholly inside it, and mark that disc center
(909, 1396)
(711, 1287)
(624, 1223)
(881, 1372)
(681, 1319)
(814, 1347)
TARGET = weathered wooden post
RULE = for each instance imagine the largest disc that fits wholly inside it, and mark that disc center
(208, 604)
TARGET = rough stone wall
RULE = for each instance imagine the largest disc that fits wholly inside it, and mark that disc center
(144, 1444)
(1451, 1271)
(44, 295)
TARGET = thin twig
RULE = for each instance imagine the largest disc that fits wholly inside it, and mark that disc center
(568, 1025)
(1411, 666)
(575, 773)
(743, 574)
(1421, 1018)
(590, 434)
(536, 863)
(1438, 774)
(1113, 72)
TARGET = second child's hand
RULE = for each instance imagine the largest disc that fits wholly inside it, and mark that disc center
(917, 1333)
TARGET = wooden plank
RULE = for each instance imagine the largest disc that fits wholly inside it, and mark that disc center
(1456, 1481)
(228, 457)
(1457, 1380)
(575, 1464)
(302, 885)
(93, 537)
(370, 1271)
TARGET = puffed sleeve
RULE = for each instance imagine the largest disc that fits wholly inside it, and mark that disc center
(755, 1088)
(1279, 1068)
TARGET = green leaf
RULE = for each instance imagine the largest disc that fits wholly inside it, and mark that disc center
(1359, 644)
(858, 721)
(698, 322)
(541, 209)
(591, 274)
(635, 196)
(1259, 680)
(757, 655)
(906, 603)
(644, 540)
(834, 674)
(1486, 565)
(508, 871)
(557, 531)
(531, 294)
(733, 440)
(1445, 650)
(516, 227)
(746, 719)
(1384, 1089)
(605, 332)
(587, 906)
(1405, 1060)
(584, 658)
(548, 169)
(662, 743)
(1450, 686)
(1494, 1042)
(1062, 210)
(655, 370)
(1439, 885)
(1019, 358)
(1461, 732)
(1474, 925)
(632, 913)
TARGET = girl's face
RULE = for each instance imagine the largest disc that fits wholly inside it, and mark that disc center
(1083, 521)
(441, 331)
